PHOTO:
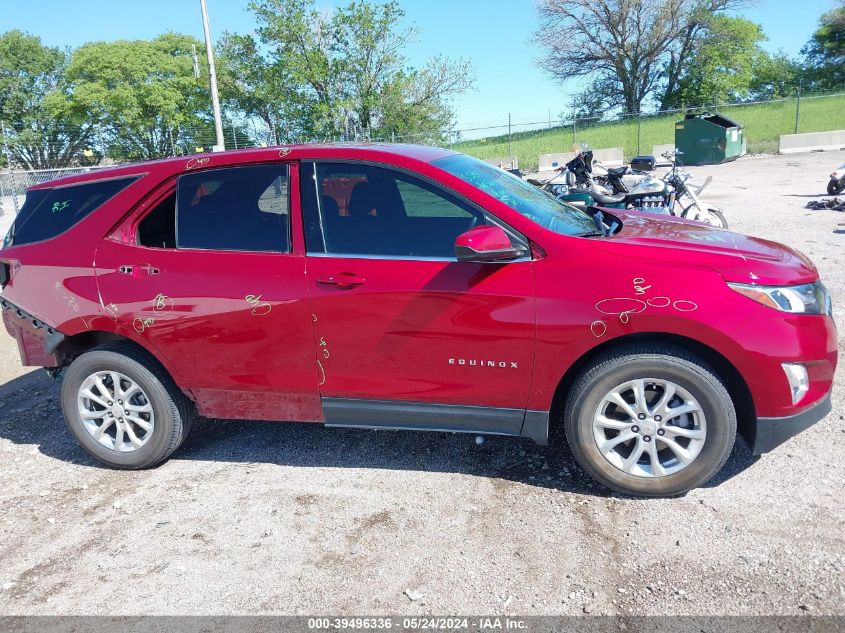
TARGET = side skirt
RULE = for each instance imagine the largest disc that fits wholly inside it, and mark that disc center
(419, 416)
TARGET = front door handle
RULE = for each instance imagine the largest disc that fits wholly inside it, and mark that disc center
(343, 280)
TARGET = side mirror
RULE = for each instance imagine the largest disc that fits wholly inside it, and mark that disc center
(486, 243)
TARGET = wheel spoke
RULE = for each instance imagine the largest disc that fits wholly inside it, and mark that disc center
(693, 434)
(140, 422)
(639, 396)
(137, 443)
(618, 400)
(118, 390)
(668, 393)
(98, 433)
(118, 437)
(104, 391)
(606, 446)
(656, 467)
(90, 395)
(139, 408)
(629, 464)
(131, 390)
(687, 407)
(683, 455)
(607, 423)
(90, 414)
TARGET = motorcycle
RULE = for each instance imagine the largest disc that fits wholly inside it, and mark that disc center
(649, 194)
(837, 182)
(686, 194)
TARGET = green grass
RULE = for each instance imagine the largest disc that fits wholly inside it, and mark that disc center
(763, 123)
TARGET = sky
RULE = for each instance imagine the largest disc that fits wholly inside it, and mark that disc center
(495, 35)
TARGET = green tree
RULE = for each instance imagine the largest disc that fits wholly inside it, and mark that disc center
(722, 68)
(142, 93)
(44, 127)
(825, 52)
(316, 74)
(775, 76)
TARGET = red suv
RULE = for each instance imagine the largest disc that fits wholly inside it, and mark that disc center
(403, 287)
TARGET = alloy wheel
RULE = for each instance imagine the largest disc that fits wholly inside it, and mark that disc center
(115, 411)
(649, 427)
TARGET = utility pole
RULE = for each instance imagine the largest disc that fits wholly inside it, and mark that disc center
(510, 151)
(212, 80)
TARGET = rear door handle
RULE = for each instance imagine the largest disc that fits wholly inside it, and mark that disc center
(343, 280)
(147, 268)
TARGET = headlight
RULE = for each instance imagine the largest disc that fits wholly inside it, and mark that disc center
(804, 299)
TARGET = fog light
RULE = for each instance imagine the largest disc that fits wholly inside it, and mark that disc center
(799, 382)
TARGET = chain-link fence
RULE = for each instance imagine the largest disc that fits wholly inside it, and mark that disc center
(763, 121)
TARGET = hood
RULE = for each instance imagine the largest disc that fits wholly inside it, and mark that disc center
(737, 257)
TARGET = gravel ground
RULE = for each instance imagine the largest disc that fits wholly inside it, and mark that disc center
(296, 519)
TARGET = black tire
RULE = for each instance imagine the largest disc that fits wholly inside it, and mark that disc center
(656, 361)
(835, 187)
(717, 218)
(173, 411)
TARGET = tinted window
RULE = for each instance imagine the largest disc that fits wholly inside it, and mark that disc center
(48, 212)
(236, 209)
(158, 228)
(367, 210)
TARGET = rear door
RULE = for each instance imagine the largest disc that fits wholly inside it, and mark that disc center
(210, 279)
(406, 335)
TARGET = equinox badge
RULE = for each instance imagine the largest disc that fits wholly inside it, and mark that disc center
(484, 363)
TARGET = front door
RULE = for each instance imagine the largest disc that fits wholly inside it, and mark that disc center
(208, 279)
(406, 335)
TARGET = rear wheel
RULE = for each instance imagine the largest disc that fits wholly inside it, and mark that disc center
(650, 420)
(123, 408)
(835, 187)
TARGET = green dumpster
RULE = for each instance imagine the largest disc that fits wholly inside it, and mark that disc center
(708, 139)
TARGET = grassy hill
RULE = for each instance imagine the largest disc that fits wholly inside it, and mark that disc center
(763, 123)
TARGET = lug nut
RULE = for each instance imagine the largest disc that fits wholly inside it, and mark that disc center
(641, 416)
(661, 432)
(646, 438)
(120, 402)
(111, 415)
(657, 418)
(635, 429)
(110, 403)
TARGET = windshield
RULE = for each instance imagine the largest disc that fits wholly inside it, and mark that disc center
(532, 202)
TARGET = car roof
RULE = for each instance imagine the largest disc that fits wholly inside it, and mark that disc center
(178, 164)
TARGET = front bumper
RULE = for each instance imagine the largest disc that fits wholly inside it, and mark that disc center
(769, 433)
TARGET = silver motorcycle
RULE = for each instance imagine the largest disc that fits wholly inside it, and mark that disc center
(686, 194)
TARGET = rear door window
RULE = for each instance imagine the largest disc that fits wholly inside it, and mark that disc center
(47, 213)
(234, 209)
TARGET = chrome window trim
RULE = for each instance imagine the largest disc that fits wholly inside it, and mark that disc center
(410, 258)
(224, 168)
(515, 235)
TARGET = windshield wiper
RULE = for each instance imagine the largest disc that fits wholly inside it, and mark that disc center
(591, 234)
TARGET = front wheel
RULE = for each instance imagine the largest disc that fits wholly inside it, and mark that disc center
(714, 217)
(835, 186)
(650, 420)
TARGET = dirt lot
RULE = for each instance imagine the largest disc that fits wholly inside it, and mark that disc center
(297, 519)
